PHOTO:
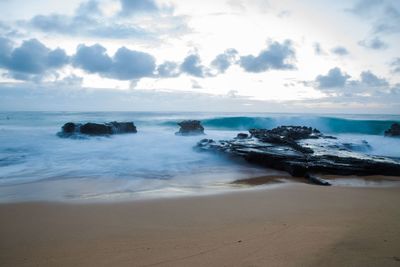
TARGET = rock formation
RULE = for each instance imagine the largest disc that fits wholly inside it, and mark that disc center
(295, 149)
(190, 127)
(72, 129)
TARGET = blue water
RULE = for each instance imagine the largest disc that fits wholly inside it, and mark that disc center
(35, 164)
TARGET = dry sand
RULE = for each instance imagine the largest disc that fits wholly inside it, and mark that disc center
(293, 225)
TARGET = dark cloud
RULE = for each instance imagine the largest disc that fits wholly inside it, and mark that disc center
(335, 78)
(93, 59)
(395, 64)
(31, 60)
(192, 65)
(374, 43)
(340, 50)
(126, 64)
(277, 56)
(223, 61)
(130, 64)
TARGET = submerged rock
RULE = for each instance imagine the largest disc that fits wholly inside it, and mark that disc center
(288, 149)
(393, 131)
(72, 129)
(190, 127)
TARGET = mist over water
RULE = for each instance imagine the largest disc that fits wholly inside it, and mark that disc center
(153, 161)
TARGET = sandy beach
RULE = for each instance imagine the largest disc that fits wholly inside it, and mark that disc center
(293, 225)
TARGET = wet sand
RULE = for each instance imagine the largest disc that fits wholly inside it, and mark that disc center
(292, 225)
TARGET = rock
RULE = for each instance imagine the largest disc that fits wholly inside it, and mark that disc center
(316, 180)
(122, 127)
(95, 129)
(242, 136)
(280, 152)
(287, 132)
(71, 129)
(393, 131)
(190, 127)
(287, 135)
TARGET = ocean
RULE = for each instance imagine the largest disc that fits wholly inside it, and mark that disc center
(37, 165)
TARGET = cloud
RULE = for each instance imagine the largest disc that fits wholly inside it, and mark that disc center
(8, 31)
(92, 59)
(88, 9)
(86, 26)
(365, 7)
(6, 47)
(390, 21)
(223, 61)
(370, 79)
(88, 20)
(384, 15)
(192, 65)
(55, 97)
(31, 60)
(335, 78)
(130, 64)
(195, 84)
(395, 64)
(318, 49)
(68, 82)
(126, 64)
(277, 56)
(338, 84)
(168, 69)
(374, 43)
(340, 51)
(129, 7)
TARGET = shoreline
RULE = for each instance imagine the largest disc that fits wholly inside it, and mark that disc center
(254, 183)
(297, 224)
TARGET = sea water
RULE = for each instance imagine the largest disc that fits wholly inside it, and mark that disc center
(36, 164)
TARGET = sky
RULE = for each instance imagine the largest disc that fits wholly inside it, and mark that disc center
(212, 55)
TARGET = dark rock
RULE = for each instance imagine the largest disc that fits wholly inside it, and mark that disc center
(242, 136)
(287, 135)
(288, 132)
(279, 152)
(122, 127)
(393, 131)
(316, 180)
(71, 129)
(95, 129)
(190, 127)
